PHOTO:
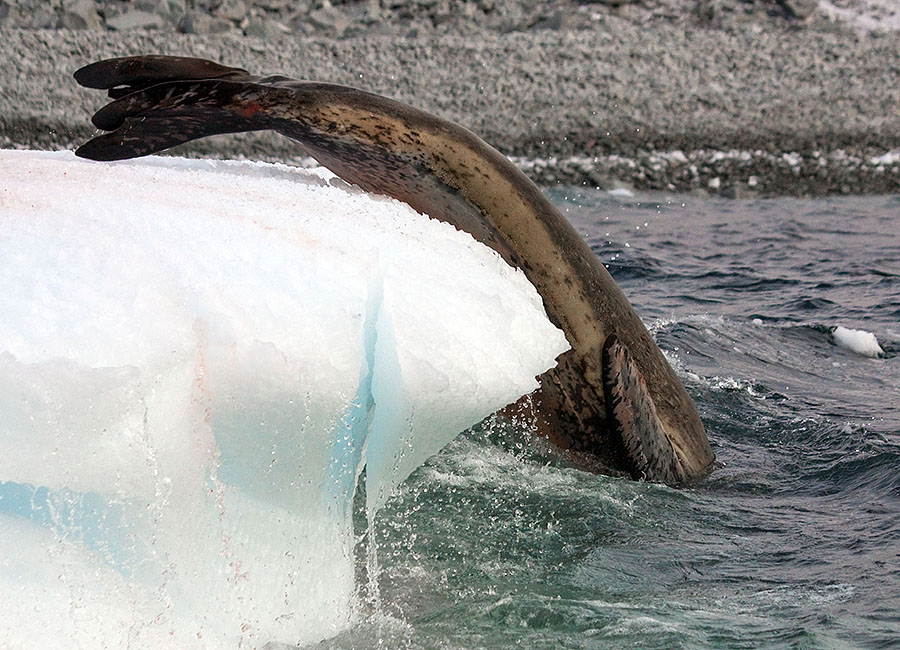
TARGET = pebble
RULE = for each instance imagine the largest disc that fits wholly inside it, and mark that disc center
(644, 94)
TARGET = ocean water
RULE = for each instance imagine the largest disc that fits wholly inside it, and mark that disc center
(794, 542)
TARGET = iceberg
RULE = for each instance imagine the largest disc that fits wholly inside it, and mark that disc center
(197, 361)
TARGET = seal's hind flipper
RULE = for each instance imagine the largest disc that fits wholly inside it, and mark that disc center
(128, 74)
(632, 414)
(149, 135)
(161, 116)
(163, 101)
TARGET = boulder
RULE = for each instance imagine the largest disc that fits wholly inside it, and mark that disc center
(198, 22)
(234, 10)
(81, 14)
(327, 21)
(801, 8)
(265, 29)
(135, 19)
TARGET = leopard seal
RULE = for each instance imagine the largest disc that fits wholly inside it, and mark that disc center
(612, 402)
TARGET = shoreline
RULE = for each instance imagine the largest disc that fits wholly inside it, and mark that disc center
(748, 109)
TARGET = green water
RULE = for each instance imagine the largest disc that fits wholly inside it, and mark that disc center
(793, 543)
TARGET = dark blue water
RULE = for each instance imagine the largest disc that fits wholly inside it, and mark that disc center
(794, 542)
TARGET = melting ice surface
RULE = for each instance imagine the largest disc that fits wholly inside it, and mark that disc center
(197, 359)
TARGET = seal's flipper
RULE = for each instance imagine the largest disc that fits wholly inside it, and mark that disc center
(632, 414)
(161, 116)
(146, 136)
(128, 74)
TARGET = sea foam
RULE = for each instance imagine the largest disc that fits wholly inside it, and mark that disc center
(197, 359)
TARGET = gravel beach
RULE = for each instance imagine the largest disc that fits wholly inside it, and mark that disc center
(727, 97)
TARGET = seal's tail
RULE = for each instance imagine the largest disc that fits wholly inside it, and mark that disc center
(163, 101)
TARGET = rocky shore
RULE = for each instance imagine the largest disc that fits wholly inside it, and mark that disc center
(732, 97)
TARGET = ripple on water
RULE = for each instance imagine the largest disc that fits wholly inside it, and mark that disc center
(496, 543)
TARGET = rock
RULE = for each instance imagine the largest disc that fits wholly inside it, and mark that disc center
(159, 7)
(514, 21)
(372, 11)
(801, 8)
(265, 29)
(739, 191)
(328, 21)
(171, 11)
(599, 180)
(196, 22)
(81, 14)
(234, 10)
(561, 20)
(708, 10)
(367, 12)
(282, 6)
(21, 16)
(135, 19)
(553, 21)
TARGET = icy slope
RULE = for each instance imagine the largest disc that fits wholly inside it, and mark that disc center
(197, 358)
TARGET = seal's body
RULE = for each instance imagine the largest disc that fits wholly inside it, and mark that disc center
(612, 400)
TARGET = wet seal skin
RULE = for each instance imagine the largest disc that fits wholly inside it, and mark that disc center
(612, 402)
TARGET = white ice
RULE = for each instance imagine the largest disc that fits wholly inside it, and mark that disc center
(857, 341)
(197, 358)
